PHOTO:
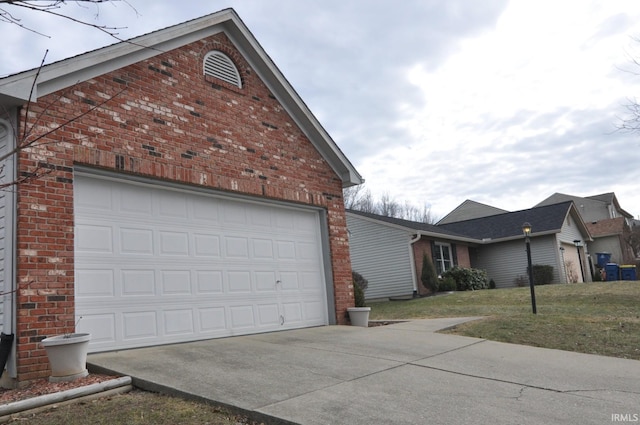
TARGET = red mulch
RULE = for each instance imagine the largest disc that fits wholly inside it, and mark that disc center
(43, 386)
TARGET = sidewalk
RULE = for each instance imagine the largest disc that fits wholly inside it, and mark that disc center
(396, 374)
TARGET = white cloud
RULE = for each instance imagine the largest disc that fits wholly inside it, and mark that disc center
(434, 101)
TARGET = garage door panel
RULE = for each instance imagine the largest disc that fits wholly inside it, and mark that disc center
(132, 200)
(94, 238)
(236, 247)
(209, 282)
(212, 319)
(173, 243)
(242, 316)
(98, 283)
(139, 324)
(175, 282)
(178, 322)
(136, 241)
(157, 266)
(137, 283)
(206, 245)
(103, 328)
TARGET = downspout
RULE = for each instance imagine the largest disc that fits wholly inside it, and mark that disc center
(414, 275)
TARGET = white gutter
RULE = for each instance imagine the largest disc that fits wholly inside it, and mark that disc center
(414, 275)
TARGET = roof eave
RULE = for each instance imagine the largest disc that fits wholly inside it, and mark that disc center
(412, 231)
(15, 90)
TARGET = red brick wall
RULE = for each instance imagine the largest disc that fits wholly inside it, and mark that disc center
(424, 246)
(166, 121)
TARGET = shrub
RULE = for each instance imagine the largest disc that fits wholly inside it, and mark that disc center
(542, 274)
(447, 284)
(467, 278)
(429, 277)
(359, 286)
(492, 284)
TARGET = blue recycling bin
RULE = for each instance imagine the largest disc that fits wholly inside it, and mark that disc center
(603, 258)
(628, 272)
(613, 272)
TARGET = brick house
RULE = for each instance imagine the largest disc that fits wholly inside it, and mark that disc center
(192, 195)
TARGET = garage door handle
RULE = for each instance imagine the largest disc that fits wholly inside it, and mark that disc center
(281, 320)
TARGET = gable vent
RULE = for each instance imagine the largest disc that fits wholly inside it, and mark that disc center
(218, 65)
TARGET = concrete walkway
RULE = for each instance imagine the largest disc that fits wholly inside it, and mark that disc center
(402, 373)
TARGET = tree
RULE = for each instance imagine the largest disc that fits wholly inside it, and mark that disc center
(429, 277)
(10, 11)
(360, 198)
(633, 239)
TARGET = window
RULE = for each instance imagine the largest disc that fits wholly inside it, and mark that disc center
(218, 65)
(443, 257)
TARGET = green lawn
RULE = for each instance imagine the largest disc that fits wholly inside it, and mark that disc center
(595, 318)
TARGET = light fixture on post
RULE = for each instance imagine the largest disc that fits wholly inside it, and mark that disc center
(577, 244)
(526, 229)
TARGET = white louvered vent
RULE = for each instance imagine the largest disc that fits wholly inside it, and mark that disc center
(218, 65)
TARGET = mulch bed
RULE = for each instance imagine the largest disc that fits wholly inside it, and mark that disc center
(43, 386)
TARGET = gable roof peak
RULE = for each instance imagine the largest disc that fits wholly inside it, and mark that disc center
(15, 90)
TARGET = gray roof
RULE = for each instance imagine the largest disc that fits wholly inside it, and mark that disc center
(544, 219)
(470, 209)
(413, 225)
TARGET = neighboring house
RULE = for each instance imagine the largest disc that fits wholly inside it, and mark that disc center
(609, 224)
(203, 199)
(502, 250)
(468, 210)
(611, 236)
(388, 252)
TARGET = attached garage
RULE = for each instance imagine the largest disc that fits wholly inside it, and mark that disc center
(157, 265)
(171, 203)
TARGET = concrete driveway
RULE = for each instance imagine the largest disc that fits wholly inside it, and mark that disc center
(403, 373)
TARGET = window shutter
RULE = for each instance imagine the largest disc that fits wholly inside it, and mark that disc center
(454, 254)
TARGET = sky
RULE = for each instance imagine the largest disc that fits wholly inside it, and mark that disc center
(503, 102)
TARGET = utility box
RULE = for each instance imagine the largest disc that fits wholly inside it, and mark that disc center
(628, 272)
(613, 272)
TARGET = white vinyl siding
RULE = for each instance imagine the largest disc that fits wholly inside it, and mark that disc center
(4, 287)
(381, 255)
(505, 261)
(7, 213)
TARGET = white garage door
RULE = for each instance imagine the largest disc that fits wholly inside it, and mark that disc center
(159, 265)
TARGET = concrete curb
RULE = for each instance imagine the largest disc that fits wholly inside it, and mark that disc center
(106, 388)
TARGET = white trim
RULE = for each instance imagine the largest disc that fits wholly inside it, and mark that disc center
(10, 298)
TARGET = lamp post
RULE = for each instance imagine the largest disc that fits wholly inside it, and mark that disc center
(526, 229)
(577, 244)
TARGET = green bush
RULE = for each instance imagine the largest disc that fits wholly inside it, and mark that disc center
(359, 286)
(492, 284)
(447, 284)
(542, 274)
(468, 279)
(429, 277)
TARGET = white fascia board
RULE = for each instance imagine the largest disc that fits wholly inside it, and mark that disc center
(293, 104)
(60, 75)
(66, 73)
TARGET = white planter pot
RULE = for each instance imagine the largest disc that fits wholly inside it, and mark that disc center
(67, 356)
(359, 316)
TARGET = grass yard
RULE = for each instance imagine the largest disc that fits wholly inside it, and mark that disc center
(595, 318)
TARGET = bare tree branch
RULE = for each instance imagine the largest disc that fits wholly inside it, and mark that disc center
(53, 7)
